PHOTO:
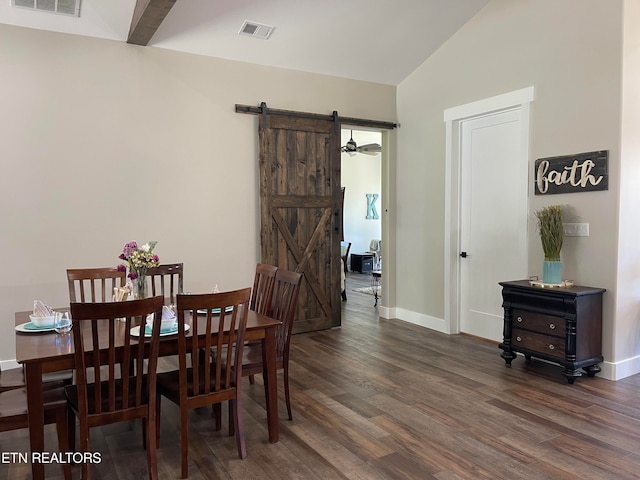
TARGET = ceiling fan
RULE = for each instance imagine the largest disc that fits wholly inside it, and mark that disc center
(352, 148)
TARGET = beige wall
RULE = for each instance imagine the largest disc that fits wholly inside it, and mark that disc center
(146, 142)
(104, 142)
(570, 52)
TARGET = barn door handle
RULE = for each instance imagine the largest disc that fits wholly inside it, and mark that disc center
(337, 225)
(463, 254)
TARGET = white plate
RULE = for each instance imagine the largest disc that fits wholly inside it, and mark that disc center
(203, 311)
(135, 331)
(24, 328)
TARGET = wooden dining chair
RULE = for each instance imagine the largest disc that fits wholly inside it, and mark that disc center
(94, 284)
(261, 296)
(11, 378)
(345, 248)
(166, 280)
(262, 291)
(13, 415)
(125, 388)
(283, 307)
(200, 380)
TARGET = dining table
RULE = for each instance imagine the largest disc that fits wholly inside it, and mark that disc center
(48, 351)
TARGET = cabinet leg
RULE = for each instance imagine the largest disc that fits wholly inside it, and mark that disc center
(571, 375)
(508, 356)
(592, 370)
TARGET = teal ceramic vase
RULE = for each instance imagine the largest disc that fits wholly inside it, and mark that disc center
(552, 272)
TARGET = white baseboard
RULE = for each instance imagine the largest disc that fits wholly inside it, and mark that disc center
(7, 364)
(620, 370)
(437, 324)
(610, 370)
(412, 317)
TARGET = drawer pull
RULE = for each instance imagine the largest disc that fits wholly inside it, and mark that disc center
(551, 347)
(519, 339)
(552, 326)
(519, 319)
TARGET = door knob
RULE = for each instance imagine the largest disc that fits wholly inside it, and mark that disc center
(463, 254)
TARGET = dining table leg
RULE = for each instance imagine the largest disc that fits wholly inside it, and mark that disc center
(270, 383)
(35, 414)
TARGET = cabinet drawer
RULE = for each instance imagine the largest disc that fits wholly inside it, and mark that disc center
(539, 322)
(540, 343)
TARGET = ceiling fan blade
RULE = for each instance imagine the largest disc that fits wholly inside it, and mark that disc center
(370, 148)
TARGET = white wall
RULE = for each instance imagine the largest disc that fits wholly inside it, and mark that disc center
(570, 51)
(104, 142)
(361, 175)
(627, 314)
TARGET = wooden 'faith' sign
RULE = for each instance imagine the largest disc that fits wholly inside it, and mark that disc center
(583, 172)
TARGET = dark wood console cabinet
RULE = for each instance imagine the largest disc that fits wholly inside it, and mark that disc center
(560, 325)
(362, 262)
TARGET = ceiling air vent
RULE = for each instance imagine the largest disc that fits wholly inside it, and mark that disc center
(64, 7)
(258, 30)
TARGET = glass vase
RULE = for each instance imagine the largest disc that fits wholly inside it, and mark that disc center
(140, 286)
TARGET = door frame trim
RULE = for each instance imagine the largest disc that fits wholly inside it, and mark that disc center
(453, 118)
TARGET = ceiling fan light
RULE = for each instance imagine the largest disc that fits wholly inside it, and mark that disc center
(351, 146)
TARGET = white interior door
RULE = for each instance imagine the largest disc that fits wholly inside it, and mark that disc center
(493, 217)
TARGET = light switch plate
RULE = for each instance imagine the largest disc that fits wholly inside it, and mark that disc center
(576, 229)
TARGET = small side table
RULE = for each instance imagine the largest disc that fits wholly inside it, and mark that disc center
(376, 276)
(559, 325)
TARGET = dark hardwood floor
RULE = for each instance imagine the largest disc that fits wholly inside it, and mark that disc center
(384, 399)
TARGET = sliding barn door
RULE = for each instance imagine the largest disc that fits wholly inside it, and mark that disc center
(300, 210)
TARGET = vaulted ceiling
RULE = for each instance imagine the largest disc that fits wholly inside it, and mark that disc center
(380, 41)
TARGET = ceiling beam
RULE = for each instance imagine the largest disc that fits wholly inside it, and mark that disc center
(147, 17)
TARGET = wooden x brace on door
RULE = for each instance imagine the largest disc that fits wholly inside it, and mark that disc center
(302, 257)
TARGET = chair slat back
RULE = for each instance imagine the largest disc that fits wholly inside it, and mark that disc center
(107, 351)
(167, 280)
(345, 247)
(262, 292)
(283, 307)
(225, 312)
(94, 284)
